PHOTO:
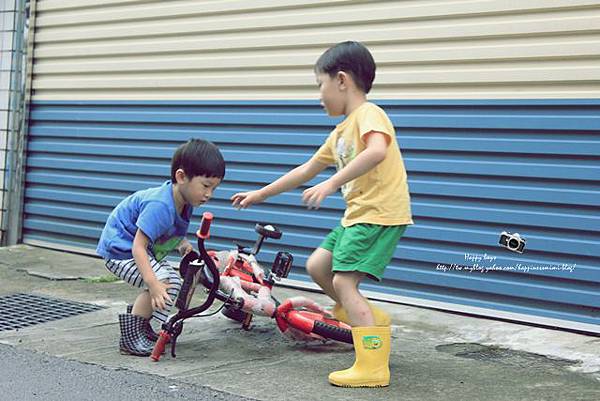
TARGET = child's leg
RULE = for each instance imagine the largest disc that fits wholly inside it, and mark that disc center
(128, 272)
(371, 343)
(165, 273)
(318, 266)
(135, 327)
(346, 286)
(143, 305)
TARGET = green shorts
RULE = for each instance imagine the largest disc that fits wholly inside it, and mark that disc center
(366, 248)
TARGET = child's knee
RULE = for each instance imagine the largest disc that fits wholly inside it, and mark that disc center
(176, 281)
(311, 267)
(317, 265)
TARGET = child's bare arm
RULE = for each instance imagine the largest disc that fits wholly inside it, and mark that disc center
(158, 290)
(366, 160)
(290, 180)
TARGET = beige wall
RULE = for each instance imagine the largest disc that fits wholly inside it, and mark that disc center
(234, 49)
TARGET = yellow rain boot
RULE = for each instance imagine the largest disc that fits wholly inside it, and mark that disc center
(340, 313)
(371, 368)
(381, 318)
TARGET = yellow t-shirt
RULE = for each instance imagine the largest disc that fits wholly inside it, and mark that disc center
(381, 195)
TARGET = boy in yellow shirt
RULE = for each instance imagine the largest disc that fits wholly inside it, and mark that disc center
(372, 178)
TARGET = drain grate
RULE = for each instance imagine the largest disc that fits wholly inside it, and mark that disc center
(23, 310)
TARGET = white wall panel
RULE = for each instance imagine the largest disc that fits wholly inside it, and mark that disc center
(266, 49)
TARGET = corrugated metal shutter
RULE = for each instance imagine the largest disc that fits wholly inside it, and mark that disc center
(476, 167)
(426, 49)
(475, 170)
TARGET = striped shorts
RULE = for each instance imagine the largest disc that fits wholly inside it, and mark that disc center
(127, 271)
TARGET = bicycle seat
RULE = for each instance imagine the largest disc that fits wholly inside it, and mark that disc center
(268, 230)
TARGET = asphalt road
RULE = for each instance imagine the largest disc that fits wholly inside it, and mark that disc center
(31, 376)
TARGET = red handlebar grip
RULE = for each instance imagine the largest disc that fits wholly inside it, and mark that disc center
(159, 347)
(204, 231)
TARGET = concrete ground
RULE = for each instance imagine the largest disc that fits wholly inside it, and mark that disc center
(435, 355)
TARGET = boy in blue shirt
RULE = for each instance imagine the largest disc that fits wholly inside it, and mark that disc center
(144, 227)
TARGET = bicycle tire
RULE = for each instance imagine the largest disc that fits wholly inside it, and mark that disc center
(333, 332)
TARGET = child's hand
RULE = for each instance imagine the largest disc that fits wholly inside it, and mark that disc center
(159, 295)
(258, 271)
(312, 197)
(242, 200)
(185, 247)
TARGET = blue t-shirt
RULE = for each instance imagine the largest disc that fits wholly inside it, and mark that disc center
(151, 210)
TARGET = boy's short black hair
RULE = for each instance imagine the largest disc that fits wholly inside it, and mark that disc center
(198, 157)
(352, 58)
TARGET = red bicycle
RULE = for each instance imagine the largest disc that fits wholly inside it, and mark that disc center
(236, 279)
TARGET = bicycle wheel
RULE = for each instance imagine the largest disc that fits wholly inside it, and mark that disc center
(337, 333)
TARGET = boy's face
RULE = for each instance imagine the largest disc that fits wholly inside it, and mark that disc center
(198, 190)
(331, 94)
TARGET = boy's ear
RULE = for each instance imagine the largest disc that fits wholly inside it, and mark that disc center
(180, 175)
(342, 79)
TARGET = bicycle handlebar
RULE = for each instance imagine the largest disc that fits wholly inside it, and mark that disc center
(211, 283)
(204, 230)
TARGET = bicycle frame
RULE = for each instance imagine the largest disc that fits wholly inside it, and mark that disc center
(234, 287)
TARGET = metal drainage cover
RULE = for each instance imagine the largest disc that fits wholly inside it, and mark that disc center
(23, 310)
